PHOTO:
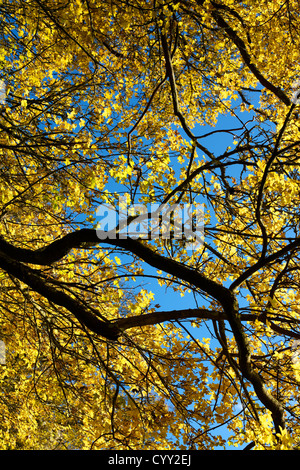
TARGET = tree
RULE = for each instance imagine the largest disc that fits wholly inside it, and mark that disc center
(114, 98)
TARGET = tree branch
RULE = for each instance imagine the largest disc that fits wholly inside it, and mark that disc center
(246, 57)
(224, 296)
(165, 316)
(33, 279)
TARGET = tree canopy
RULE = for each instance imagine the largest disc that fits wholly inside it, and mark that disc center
(166, 102)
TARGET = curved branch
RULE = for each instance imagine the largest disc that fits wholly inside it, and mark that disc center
(88, 237)
(176, 107)
(165, 316)
(33, 279)
(223, 295)
(262, 262)
(264, 179)
(239, 43)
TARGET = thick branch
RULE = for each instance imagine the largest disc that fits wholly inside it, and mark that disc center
(246, 57)
(226, 297)
(87, 237)
(33, 279)
(157, 317)
(160, 317)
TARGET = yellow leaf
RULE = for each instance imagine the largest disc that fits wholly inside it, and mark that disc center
(118, 261)
(106, 112)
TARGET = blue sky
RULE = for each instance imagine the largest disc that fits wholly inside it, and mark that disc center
(168, 299)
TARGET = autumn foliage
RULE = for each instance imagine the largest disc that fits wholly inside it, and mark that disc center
(166, 102)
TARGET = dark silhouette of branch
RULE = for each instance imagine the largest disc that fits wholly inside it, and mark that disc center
(32, 278)
(82, 238)
(246, 56)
